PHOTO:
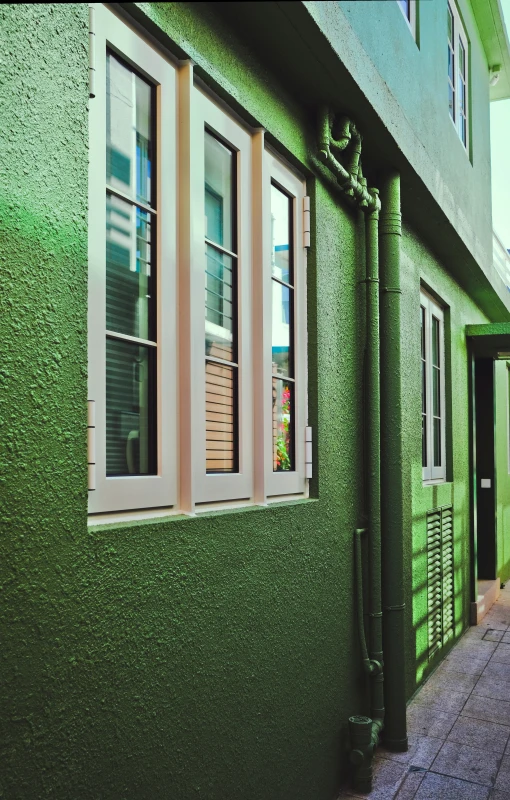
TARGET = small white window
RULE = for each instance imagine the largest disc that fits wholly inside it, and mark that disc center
(432, 390)
(408, 8)
(458, 59)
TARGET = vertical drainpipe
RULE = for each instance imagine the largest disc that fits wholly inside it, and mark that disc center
(392, 512)
(373, 461)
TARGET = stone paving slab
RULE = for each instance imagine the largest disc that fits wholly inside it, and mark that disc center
(458, 724)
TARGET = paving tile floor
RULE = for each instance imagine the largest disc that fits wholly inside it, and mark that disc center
(458, 724)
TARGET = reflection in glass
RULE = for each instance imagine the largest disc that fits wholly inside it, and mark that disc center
(283, 456)
(406, 7)
(128, 131)
(219, 322)
(128, 269)
(281, 235)
(437, 442)
(220, 401)
(281, 335)
(219, 192)
(130, 420)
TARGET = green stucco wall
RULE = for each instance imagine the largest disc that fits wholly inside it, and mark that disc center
(502, 432)
(420, 266)
(407, 85)
(207, 657)
(210, 657)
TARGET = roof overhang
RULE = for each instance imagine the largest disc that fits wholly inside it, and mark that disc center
(491, 26)
(490, 341)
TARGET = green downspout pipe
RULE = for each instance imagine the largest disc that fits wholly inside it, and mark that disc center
(392, 511)
(373, 459)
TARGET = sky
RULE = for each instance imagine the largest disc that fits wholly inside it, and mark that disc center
(500, 140)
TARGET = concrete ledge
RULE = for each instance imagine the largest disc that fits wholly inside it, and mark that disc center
(487, 594)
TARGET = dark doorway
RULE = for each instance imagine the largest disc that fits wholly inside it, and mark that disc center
(485, 474)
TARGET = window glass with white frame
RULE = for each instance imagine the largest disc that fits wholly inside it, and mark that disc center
(197, 353)
(408, 8)
(432, 389)
(458, 55)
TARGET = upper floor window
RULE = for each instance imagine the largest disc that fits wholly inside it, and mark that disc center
(197, 301)
(408, 8)
(432, 390)
(457, 73)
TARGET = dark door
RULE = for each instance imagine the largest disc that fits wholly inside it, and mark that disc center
(485, 475)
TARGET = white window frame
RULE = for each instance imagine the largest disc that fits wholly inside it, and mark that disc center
(459, 37)
(184, 110)
(231, 486)
(411, 19)
(292, 481)
(147, 491)
(431, 473)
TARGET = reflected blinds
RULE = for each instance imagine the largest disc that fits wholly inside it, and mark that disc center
(440, 579)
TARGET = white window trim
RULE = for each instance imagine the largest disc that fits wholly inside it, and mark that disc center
(432, 474)
(134, 492)
(281, 483)
(459, 33)
(411, 21)
(220, 487)
(181, 484)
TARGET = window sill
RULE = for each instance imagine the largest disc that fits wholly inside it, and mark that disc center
(151, 515)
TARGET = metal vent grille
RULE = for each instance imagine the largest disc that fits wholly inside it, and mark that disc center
(440, 581)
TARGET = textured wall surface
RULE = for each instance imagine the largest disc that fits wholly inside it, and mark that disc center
(407, 84)
(419, 264)
(213, 657)
(196, 658)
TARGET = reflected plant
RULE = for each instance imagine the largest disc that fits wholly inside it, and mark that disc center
(283, 438)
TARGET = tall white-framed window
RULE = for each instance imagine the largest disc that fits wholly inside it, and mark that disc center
(197, 293)
(432, 389)
(458, 72)
(132, 272)
(408, 8)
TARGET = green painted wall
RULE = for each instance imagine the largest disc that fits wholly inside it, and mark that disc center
(213, 657)
(407, 85)
(502, 383)
(208, 657)
(419, 265)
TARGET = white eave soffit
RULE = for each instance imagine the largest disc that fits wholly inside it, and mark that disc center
(493, 33)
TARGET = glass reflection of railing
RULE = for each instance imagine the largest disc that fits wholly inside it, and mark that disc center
(501, 259)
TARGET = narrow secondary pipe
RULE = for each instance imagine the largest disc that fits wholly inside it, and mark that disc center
(373, 456)
(392, 511)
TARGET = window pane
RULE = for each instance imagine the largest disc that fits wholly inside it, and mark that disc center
(219, 310)
(281, 235)
(436, 389)
(405, 5)
(435, 341)
(437, 442)
(220, 403)
(451, 102)
(129, 283)
(450, 25)
(462, 59)
(283, 299)
(128, 131)
(130, 417)
(451, 63)
(219, 193)
(424, 458)
(424, 440)
(283, 456)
